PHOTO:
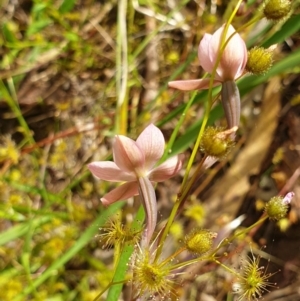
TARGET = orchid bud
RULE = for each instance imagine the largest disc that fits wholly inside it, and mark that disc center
(276, 208)
(216, 142)
(231, 103)
(277, 10)
(199, 241)
(259, 60)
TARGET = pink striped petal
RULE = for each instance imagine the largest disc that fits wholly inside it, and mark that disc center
(109, 171)
(151, 141)
(234, 57)
(193, 84)
(122, 192)
(127, 154)
(168, 169)
(203, 53)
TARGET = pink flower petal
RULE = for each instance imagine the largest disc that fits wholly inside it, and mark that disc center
(127, 154)
(288, 198)
(151, 141)
(205, 60)
(168, 169)
(148, 197)
(234, 57)
(122, 192)
(193, 84)
(109, 171)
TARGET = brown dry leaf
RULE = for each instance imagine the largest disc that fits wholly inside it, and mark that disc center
(227, 194)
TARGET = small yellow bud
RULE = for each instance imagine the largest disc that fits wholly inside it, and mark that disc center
(216, 143)
(199, 241)
(277, 10)
(259, 60)
(276, 208)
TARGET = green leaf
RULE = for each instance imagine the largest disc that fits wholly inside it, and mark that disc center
(290, 27)
(66, 6)
(37, 26)
(115, 290)
(21, 229)
(8, 35)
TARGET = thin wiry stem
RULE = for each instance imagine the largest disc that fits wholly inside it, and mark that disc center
(122, 70)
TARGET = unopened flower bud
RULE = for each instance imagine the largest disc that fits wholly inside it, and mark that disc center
(288, 198)
(259, 60)
(216, 142)
(276, 208)
(277, 10)
(231, 102)
(199, 241)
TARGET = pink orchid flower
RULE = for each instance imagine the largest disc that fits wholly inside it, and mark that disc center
(134, 164)
(230, 68)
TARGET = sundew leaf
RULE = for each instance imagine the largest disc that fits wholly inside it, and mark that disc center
(81, 242)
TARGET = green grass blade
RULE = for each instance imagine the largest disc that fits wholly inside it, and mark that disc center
(80, 243)
(289, 28)
(115, 290)
(21, 229)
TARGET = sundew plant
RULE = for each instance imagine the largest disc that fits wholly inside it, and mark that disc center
(149, 150)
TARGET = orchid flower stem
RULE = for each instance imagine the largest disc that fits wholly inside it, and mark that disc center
(252, 21)
(178, 203)
(192, 180)
(168, 149)
(196, 146)
(210, 97)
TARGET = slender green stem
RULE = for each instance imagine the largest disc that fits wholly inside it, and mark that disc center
(226, 268)
(168, 149)
(122, 70)
(233, 237)
(189, 262)
(210, 95)
(172, 256)
(175, 208)
(107, 287)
